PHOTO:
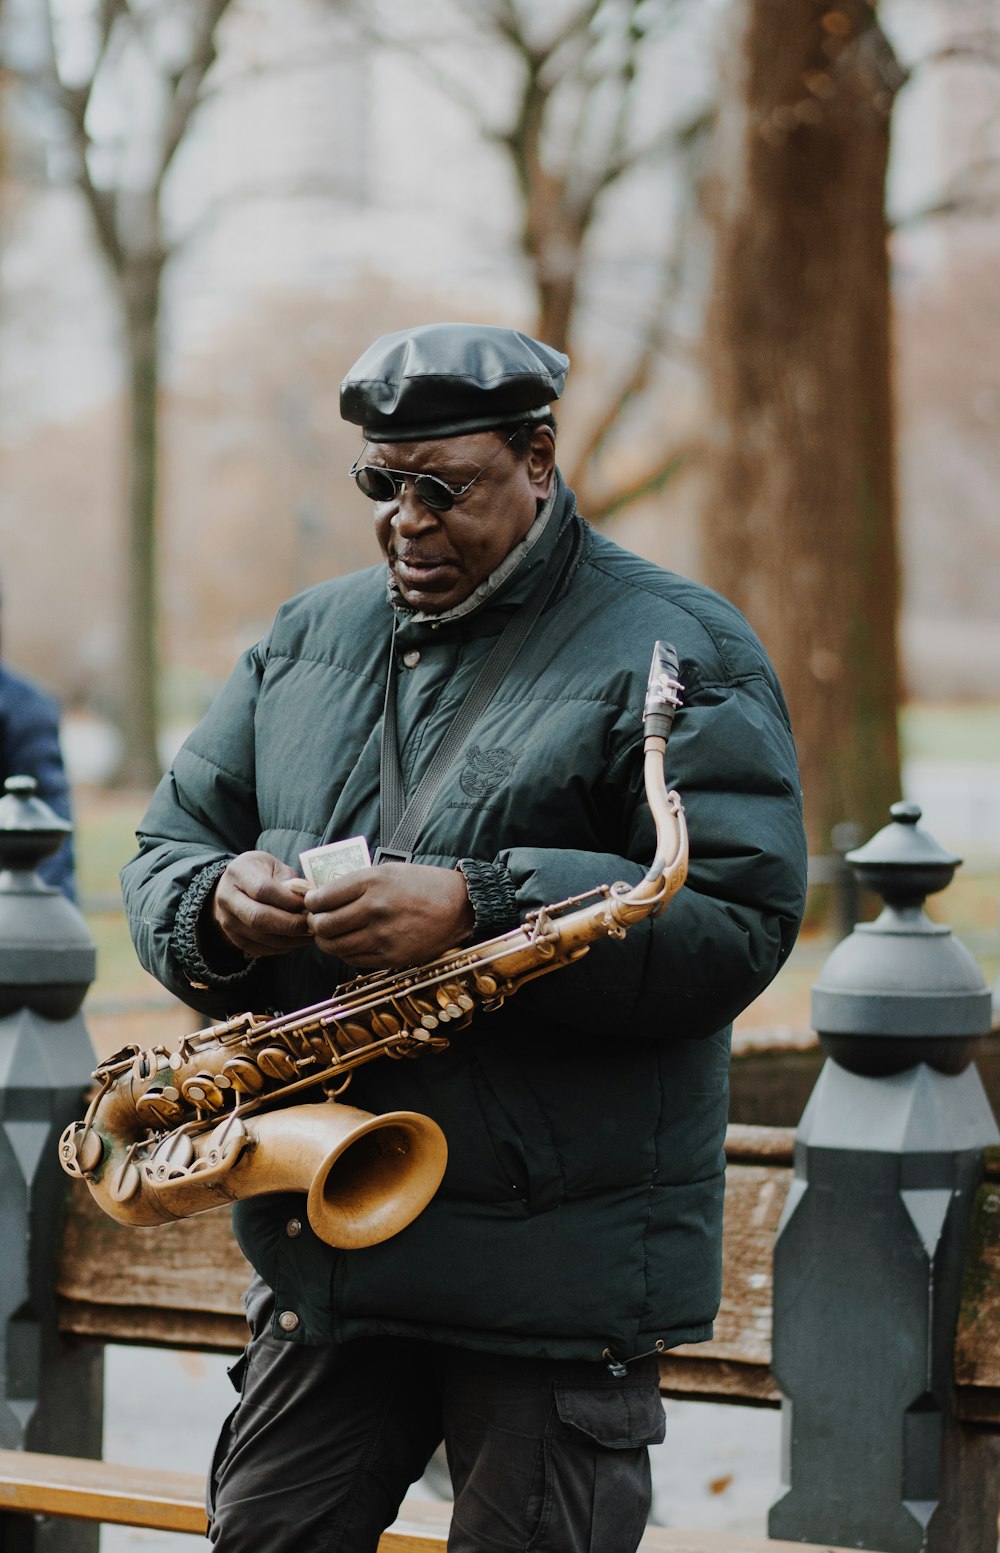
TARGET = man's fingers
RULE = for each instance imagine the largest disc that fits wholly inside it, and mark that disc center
(265, 924)
(333, 897)
(261, 877)
(395, 915)
(257, 905)
(355, 949)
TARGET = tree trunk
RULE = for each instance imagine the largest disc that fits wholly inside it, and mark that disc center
(140, 285)
(799, 522)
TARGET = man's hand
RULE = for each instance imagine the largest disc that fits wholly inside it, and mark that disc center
(257, 905)
(395, 915)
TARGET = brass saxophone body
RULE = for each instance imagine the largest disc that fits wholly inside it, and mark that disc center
(231, 1112)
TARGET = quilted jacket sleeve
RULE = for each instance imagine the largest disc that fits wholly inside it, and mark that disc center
(202, 814)
(720, 942)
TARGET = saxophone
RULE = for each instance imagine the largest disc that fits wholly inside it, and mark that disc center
(232, 1112)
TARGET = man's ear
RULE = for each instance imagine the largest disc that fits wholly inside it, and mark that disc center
(541, 462)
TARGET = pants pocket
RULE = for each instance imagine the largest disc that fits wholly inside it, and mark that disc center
(596, 1463)
(624, 1418)
(237, 1372)
(222, 1447)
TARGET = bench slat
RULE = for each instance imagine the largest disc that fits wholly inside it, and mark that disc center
(977, 1340)
(100, 1491)
(203, 1331)
(174, 1501)
(180, 1286)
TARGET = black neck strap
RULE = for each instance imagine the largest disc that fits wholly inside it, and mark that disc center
(401, 822)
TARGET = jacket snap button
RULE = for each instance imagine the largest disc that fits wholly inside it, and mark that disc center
(411, 658)
(293, 1227)
(288, 1321)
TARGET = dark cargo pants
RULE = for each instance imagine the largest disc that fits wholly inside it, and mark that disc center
(545, 1455)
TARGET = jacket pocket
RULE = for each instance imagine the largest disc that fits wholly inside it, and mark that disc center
(518, 1133)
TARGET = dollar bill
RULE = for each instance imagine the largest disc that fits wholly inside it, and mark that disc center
(321, 865)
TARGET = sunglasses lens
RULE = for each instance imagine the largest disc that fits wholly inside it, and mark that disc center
(379, 485)
(433, 493)
(375, 483)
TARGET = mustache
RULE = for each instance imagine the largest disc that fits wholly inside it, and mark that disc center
(420, 558)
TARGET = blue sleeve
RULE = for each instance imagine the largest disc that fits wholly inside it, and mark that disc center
(30, 730)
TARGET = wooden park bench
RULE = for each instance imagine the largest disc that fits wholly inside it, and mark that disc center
(180, 1287)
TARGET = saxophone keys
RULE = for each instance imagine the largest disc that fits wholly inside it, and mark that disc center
(428, 1013)
(356, 1034)
(244, 1075)
(160, 1107)
(449, 998)
(227, 1142)
(202, 1089)
(89, 1150)
(125, 1182)
(277, 1064)
(80, 1149)
(175, 1152)
(386, 1023)
(84, 1145)
(487, 985)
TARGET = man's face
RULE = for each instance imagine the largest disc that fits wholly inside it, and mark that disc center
(439, 558)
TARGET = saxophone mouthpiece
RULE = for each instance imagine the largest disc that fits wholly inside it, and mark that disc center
(662, 692)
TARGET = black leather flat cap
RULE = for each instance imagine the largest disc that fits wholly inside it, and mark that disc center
(446, 380)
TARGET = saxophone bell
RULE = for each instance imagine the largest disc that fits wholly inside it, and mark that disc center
(364, 1177)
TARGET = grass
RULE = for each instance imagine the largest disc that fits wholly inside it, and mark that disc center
(962, 731)
(106, 823)
(104, 841)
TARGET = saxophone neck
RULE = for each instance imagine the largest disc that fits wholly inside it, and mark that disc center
(668, 870)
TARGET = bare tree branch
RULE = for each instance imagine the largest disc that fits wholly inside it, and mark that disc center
(428, 60)
(636, 382)
(74, 102)
(652, 480)
(978, 48)
(313, 187)
(568, 139)
(969, 194)
(187, 90)
(984, 203)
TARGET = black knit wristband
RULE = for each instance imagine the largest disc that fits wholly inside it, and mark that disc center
(491, 892)
(185, 942)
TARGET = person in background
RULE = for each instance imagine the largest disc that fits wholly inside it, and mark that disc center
(29, 746)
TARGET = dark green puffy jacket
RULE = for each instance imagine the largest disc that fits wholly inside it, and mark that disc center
(581, 1209)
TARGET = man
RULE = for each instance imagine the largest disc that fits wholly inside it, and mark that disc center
(577, 1230)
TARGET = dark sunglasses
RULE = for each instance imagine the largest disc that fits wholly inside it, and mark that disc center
(381, 484)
